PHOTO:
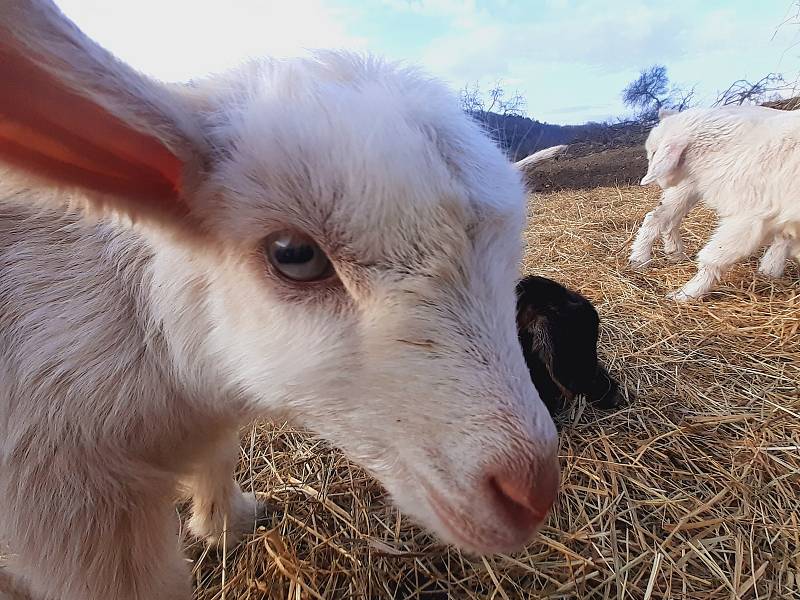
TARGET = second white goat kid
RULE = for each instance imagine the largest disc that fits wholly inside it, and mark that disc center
(743, 162)
(329, 241)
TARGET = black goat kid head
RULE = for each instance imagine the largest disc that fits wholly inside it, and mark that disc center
(558, 330)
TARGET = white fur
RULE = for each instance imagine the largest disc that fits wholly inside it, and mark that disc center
(540, 156)
(743, 162)
(131, 354)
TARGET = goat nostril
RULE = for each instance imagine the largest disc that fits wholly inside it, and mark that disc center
(524, 500)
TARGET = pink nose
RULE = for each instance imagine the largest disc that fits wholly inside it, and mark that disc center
(525, 498)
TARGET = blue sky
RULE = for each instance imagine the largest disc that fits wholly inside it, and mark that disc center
(569, 58)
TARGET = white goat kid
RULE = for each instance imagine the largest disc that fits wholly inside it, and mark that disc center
(328, 241)
(743, 163)
(665, 220)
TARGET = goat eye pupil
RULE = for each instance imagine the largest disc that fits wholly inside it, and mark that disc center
(294, 254)
(297, 257)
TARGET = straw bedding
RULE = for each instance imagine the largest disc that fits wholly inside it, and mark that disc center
(690, 491)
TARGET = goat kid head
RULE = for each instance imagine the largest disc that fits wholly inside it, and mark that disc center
(335, 243)
(558, 330)
(665, 147)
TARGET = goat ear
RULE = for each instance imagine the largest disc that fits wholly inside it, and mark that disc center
(73, 116)
(664, 161)
(573, 352)
(526, 316)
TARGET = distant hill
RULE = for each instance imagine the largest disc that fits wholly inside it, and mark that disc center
(521, 136)
(599, 154)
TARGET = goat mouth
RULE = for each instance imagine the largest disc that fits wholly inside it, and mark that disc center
(473, 536)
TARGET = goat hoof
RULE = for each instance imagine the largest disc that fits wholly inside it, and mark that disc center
(679, 296)
(245, 517)
(676, 257)
(771, 273)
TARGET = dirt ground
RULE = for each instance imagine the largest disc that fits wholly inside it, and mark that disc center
(607, 167)
(618, 160)
(690, 491)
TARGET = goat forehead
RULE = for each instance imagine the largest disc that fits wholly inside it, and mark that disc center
(363, 150)
(372, 161)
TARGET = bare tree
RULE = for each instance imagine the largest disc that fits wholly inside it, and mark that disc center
(495, 96)
(651, 91)
(471, 99)
(792, 20)
(473, 102)
(515, 105)
(683, 99)
(743, 91)
(646, 92)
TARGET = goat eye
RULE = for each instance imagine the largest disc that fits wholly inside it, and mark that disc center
(296, 256)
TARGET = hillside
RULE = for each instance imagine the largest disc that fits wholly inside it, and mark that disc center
(613, 155)
(520, 136)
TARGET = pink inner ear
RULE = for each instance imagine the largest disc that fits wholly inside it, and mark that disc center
(48, 129)
(672, 156)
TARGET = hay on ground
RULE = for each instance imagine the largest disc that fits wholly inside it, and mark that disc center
(691, 491)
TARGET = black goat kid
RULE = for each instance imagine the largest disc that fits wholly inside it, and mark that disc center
(558, 330)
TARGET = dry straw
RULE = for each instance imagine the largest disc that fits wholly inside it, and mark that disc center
(692, 491)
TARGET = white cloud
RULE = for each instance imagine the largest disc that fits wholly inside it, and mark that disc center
(556, 52)
(571, 51)
(178, 39)
(607, 41)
